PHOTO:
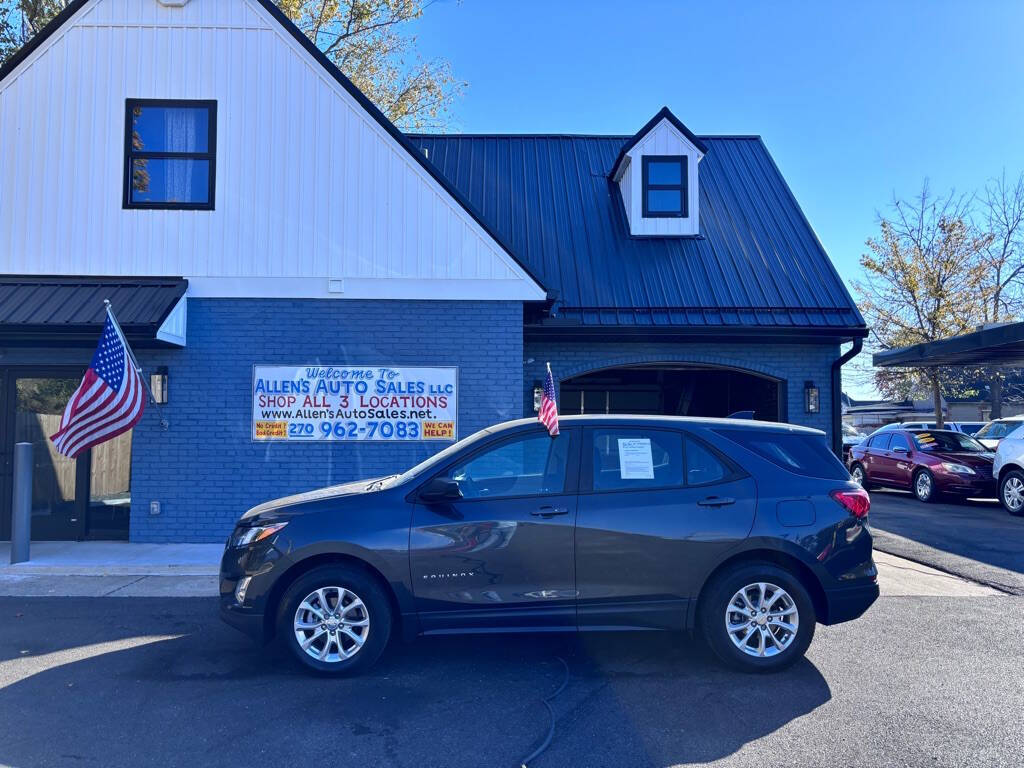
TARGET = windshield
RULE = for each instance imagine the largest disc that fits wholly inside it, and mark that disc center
(996, 430)
(850, 431)
(947, 441)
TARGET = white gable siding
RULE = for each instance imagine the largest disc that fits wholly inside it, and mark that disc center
(663, 139)
(309, 188)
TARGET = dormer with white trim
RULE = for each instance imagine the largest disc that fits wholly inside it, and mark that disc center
(657, 174)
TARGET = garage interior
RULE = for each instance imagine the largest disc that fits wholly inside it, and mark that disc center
(673, 390)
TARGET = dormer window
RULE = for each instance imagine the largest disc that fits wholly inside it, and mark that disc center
(664, 186)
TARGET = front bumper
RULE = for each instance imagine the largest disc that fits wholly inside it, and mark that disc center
(848, 603)
(258, 564)
(965, 485)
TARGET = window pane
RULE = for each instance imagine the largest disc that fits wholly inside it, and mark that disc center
(110, 488)
(525, 467)
(702, 466)
(899, 441)
(664, 201)
(170, 129)
(665, 172)
(170, 181)
(637, 458)
(800, 453)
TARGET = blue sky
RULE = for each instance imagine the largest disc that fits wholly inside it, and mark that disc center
(855, 101)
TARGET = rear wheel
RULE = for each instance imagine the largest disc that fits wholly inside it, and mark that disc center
(1011, 492)
(924, 486)
(757, 617)
(336, 620)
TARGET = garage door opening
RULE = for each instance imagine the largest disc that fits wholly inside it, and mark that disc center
(674, 390)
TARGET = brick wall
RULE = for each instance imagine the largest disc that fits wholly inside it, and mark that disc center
(794, 363)
(205, 470)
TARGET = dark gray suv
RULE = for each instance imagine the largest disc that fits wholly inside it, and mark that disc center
(748, 533)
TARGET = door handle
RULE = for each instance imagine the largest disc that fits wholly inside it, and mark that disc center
(549, 511)
(716, 501)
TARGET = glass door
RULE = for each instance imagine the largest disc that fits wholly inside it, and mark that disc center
(57, 511)
(72, 499)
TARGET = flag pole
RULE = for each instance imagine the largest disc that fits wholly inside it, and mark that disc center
(138, 368)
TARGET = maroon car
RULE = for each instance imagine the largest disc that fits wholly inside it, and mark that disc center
(928, 462)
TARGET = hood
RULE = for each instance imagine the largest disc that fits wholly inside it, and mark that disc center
(989, 442)
(972, 460)
(331, 492)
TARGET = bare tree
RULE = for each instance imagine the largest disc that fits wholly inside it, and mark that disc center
(921, 284)
(1002, 279)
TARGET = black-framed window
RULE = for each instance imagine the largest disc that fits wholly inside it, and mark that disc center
(664, 186)
(170, 148)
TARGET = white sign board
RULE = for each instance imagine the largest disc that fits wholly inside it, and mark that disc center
(330, 402)
(635, 459)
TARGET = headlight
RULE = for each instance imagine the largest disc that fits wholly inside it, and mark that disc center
(247, 536)
(959, 469)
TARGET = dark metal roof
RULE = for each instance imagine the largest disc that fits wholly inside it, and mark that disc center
(33, 308)
(1002, 344)
(757, 263)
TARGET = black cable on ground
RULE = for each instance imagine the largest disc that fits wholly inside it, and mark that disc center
(547, 703)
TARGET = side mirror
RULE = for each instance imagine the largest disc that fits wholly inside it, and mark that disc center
(441, 489)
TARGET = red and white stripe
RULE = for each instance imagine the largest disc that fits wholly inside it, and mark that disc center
(96, 413)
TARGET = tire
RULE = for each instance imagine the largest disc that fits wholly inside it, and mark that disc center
(862, 481)
(365, 613)
(923, 486)
(716, 615)
(1011, 485)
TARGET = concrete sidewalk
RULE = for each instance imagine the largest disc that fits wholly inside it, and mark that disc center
(111, 568)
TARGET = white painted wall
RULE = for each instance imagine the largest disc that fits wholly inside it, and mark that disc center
(662, 139)
(309, 187)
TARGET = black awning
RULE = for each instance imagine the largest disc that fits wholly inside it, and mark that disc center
(999, 345)
(55, 311)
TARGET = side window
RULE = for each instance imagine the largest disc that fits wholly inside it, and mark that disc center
(879, 442)
(527, 466)
(636, 459)
(899, 441)
(702, 466)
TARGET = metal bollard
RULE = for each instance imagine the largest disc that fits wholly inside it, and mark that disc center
(21, 506)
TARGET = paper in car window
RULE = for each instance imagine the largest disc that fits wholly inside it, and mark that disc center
(635, 459)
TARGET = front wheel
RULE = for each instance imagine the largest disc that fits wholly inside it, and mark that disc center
(859, 476)
(335, 620)
(924, 486)
(1011, 492)
(757, 617)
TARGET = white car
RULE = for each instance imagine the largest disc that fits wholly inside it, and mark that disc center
(1008, 467)
(996, 430)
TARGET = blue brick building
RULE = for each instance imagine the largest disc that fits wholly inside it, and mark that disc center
(658, 272)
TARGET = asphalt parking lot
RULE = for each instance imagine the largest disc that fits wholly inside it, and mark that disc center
(975, 539)
(918, 681)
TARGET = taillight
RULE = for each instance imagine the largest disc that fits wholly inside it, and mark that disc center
(856, 502)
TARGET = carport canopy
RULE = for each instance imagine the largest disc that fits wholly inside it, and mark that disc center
(997, 345)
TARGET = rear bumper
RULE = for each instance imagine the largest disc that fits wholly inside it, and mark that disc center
(848, 603)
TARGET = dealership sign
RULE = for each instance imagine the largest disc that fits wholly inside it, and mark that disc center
(327, 402)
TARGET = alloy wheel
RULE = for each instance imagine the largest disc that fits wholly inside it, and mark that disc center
(858, 475)
(762, 620)
(923, 486)
(1013, 493)
(331, 624)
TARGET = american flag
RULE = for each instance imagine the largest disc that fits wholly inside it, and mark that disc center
(109, 400)
(548, 413)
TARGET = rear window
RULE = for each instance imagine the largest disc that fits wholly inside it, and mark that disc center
(803, 454)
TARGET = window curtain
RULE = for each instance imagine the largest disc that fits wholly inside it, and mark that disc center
(180, 135)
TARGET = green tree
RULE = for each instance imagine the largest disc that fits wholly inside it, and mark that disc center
(922, 278)
(368, 40)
